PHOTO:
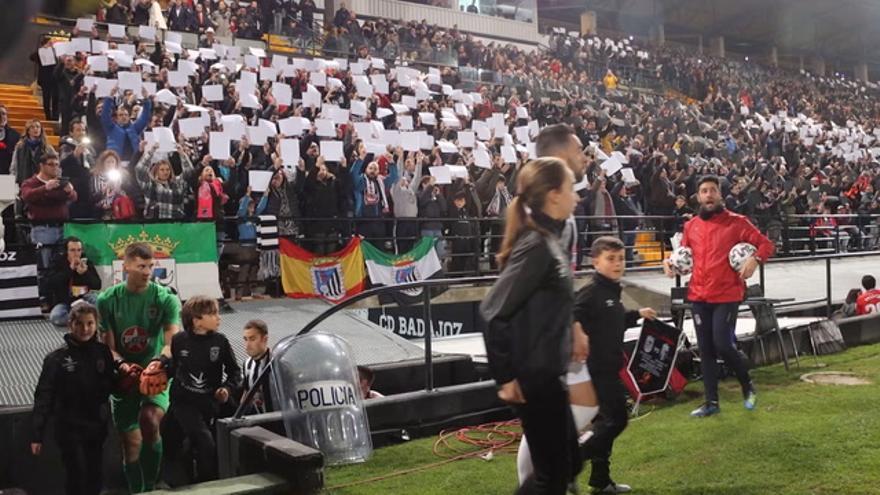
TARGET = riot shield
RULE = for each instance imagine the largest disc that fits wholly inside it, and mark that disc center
(317, 382)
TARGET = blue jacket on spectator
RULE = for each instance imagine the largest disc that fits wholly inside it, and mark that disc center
(117, 135)
(360, 183)
(247, 231)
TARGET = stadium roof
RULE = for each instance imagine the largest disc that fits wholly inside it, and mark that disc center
(844, 32)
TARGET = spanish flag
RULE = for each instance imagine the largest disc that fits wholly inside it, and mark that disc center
(334, 277)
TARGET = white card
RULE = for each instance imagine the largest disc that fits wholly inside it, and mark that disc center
(268, 74)
(47, 56)
(290, 152)
(165, 138)
(218, 146)
(358, 108)
(213, 92)
(130, 80)
(508, 153)
(332, 150)
(84, 24)
(283, 93)
(249, 100)
(442, 175)
(147, 33)
(259, 180)
(105, 86)
(116, 30)
(325, 128)
(233, 126)
(466, 139)
(83, 45)
(167, 97)
(291, 126)
(482, 159)
(177, 79)
(192, 127)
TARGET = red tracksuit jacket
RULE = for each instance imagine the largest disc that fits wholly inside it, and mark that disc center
(713, 280)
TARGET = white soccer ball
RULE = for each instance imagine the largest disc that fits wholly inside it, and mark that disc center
(682, 260)
(739, 254)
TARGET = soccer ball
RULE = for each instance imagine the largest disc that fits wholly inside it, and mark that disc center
(682, 260)
(739, 254)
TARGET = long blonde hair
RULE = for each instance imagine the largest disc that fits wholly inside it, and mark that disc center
(534, 181)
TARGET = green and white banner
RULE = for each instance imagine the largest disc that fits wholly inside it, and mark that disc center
(185, 254)
(420, 263)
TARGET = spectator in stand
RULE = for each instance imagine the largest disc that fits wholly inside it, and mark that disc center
(77, 158)
(242, 260)
(432, 206)
(683, 212)
(210, 196)
(157, 18)
(202, 21)
(47, 196)
(868, 301)
(323, 197)
(342, 16)
(46, 81)
(141, 13)
(114, 12)
(123, 135)
(282, 200)
(307, 10)
(370, 196)
(220, 20)
(472, 8)
(166, 195)
(71, 279)
(181, 17)
(111, 188)
(465, 234)
(404, 197)
(8, 140)
(68, 78)
(29, 152)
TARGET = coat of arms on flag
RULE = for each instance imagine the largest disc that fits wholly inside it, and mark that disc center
(333, 277)
(184, 254)
(328, 281)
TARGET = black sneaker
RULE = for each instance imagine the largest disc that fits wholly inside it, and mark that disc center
(707, 409)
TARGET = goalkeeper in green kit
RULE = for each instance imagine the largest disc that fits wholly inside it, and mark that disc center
(138, 320)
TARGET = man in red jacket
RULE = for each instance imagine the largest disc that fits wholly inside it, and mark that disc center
(47, 196)
(716, 291)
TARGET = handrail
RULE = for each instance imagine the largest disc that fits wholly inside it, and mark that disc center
(426, 294)
(426, 299)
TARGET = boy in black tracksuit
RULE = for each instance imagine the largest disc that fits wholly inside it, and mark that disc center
(201, 359)
(601, 313)
(74, 391)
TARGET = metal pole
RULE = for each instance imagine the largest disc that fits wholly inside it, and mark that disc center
(828, 287)
(761, 273)
(429, 358)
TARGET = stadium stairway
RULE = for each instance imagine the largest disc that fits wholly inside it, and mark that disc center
(23, 106)
(648, 248)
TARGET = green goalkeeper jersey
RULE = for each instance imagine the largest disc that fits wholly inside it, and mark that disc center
(138, 320)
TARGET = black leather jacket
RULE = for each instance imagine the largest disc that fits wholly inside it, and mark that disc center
(529, 311)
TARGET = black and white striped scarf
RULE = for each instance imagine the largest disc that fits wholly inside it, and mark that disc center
(267, 240)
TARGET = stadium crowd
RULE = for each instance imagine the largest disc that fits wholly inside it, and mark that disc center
(433, 125)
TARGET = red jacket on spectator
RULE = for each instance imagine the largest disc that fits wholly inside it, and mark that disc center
(868, 302)
(44, 205)
(713, 280)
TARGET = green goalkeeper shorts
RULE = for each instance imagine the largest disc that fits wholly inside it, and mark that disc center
(127, 408)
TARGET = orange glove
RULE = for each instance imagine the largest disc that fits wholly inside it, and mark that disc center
(129, 377)
(154, 379)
